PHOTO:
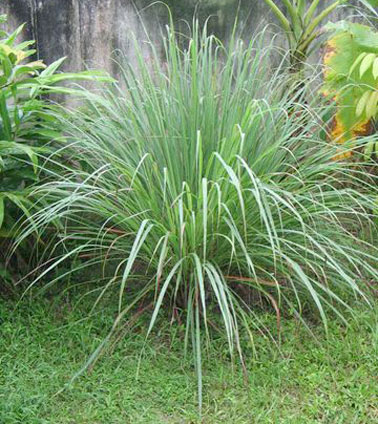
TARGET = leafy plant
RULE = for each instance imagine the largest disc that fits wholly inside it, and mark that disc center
(27, 125)
(197, 189)
(351, 79)
(26, 121)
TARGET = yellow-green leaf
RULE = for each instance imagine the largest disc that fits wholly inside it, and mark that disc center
(366, 63)
(371, 105)
(361, 105)
(357, 62)
(375, 68)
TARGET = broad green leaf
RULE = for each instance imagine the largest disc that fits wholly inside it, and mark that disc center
(25, 44)
(28, 69)
(367, 63)
(6, 66)
(12, 37)
(357, 62)
(361, 106)
(21, 148)
(14, 54)
(371, 105)
(50, 70)
(375, 68)
(53, 67)
(51, 134)
(7, 125)
(361, 36)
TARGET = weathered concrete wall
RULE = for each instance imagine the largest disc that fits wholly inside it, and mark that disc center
(89, 31)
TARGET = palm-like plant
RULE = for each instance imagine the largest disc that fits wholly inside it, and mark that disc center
(197, 187)
(300, 24)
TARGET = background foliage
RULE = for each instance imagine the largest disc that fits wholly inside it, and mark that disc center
(28, 129)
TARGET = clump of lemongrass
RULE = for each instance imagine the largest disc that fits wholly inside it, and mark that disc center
(201, 175)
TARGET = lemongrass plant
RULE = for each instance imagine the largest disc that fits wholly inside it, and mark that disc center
(195, 187)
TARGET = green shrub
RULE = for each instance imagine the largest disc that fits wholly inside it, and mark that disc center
(27, 124)
(204, 180)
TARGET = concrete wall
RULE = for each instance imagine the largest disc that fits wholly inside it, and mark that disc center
(89, 31)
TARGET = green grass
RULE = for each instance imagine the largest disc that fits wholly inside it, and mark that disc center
(309, 381)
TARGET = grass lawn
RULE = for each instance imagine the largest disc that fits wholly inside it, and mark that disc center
(307, 381)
